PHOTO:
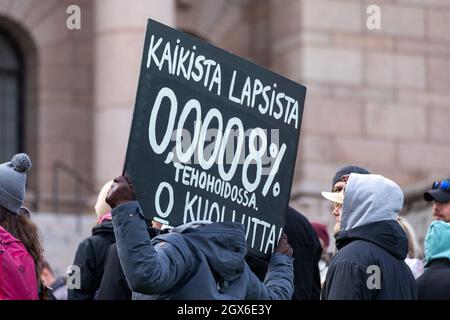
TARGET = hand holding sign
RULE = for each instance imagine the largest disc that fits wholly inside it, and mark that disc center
(284, 247)
(121, 192)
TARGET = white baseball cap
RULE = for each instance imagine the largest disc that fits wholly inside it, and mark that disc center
(334, 196)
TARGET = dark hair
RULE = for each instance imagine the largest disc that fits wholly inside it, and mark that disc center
(27, 232)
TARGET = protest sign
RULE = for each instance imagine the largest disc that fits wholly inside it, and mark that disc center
(214, 137)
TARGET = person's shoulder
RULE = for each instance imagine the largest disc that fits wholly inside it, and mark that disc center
(5, 235)
(292, 213)
(295, 218)
(435, 274)
(357, 251)
(347, 267)
(174, 239)
(95, 241)
(175, 246)
(86, 242)
(433, 284)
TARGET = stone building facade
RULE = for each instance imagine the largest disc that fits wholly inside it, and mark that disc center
(376, 98)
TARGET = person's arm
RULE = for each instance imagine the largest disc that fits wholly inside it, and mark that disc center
(149, 270)
(279, 281)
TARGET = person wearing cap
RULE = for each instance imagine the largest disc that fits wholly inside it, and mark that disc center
(341, 176)
(372, 246)
(434, 283)
(20, 246)
(440, 194)
(92, 252)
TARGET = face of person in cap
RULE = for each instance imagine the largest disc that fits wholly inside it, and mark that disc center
(338, 199)
(441, 211)
(440, 194)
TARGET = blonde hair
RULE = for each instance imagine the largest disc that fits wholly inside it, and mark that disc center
(414, 250)
(101, 207)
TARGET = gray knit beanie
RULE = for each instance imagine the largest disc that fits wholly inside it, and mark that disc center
(13, 176)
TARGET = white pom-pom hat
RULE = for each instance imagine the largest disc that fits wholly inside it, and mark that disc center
(13, 177)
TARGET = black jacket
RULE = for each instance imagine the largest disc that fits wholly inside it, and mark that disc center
(114, 285)
(434, 283)
(363, 251)
(307, 253)
(90, 257)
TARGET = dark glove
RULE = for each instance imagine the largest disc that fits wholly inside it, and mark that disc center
(283, 246)
(121, 192)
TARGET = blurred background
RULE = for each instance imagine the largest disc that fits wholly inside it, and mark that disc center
(376, 98)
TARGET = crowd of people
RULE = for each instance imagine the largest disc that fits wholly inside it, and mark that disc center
(376, 255)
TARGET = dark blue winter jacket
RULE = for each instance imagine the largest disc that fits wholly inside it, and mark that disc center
(372, 246)
(201, 262)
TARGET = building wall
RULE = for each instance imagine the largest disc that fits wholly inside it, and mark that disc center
(379, 99)
(376, 98)
(119, 39)
(58, 94)
(80, 90)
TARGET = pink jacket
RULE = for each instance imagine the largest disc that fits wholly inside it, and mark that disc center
(17, 270)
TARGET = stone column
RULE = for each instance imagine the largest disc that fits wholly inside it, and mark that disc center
(119, 38)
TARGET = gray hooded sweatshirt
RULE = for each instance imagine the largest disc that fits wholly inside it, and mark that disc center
(372, 245)
(369, 198)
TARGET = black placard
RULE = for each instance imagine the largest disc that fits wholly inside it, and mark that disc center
(214, 137)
